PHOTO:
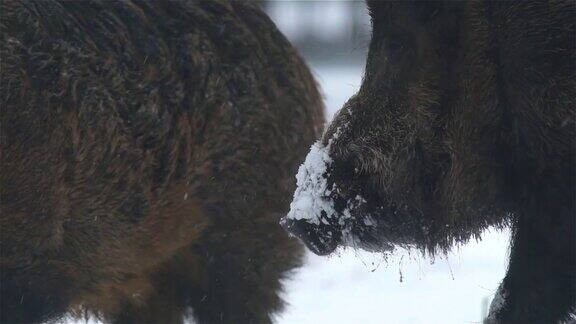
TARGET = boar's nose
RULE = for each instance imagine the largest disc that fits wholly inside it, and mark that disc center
(321, 239)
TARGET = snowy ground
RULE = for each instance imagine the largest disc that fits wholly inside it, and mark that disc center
(362, 288)
(357, 287)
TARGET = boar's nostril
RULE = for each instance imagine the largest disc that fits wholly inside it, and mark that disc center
(321, 239)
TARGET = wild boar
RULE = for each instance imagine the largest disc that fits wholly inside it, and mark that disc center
(465, 119)
(147, 154)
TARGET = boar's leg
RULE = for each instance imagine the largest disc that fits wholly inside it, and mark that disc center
(22, 304)
(245, 262)
(540, 285)
(166, 305)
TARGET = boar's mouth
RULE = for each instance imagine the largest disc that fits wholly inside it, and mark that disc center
(321, 239)
(322, 217)
(325, 237)
(351, 227)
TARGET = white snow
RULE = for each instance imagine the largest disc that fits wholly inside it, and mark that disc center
(310, 197)
(312, 194)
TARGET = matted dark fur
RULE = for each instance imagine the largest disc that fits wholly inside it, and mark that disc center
(465, 119)
(147, 152)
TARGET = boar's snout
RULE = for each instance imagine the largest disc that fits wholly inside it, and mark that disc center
(312, 217)
(321, 239)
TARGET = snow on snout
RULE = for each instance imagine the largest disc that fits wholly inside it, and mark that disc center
(312, 193)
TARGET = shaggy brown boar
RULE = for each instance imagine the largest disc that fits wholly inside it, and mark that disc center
(147, 153)
(465, 119)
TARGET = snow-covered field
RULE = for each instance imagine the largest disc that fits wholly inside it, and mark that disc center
(359, 287)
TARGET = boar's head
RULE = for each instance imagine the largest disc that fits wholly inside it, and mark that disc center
(419, 156)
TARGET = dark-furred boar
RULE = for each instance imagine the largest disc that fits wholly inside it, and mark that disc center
(147, 154)
(465, 119)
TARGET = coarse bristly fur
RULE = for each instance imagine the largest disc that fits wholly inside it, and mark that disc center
(465, 119)
(147, 153)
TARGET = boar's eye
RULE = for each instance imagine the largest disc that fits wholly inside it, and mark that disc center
(398, 46)
(426, 11)
(419, 11)
(394, 46)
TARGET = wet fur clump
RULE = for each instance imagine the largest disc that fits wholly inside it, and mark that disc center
(147, 152)
(466, 118)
